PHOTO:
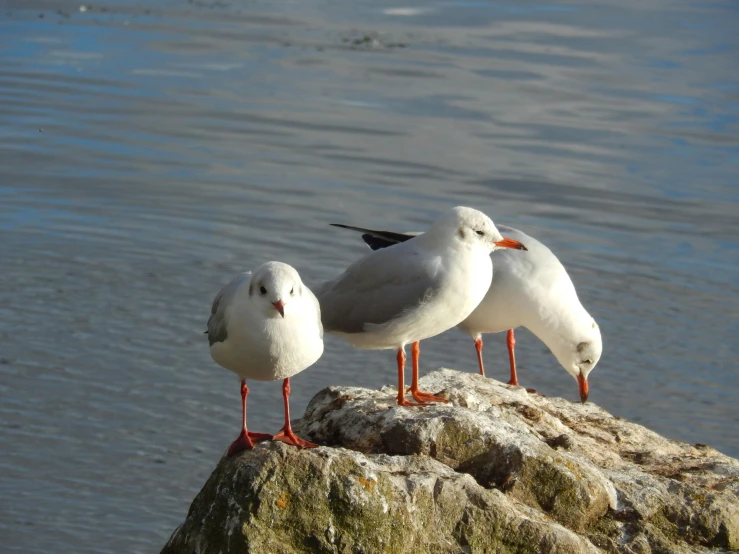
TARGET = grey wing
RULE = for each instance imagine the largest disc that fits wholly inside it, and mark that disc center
(377, 289)
(217, 322)
(537, 265)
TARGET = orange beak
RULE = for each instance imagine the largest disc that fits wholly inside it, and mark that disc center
(280, 307)
(582, 383)
(510, 243)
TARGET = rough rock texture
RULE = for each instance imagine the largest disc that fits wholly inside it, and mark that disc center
(496, 470)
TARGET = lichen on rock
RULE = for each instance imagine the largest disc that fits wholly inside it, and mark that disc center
(495, 470)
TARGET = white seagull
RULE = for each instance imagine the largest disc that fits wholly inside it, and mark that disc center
(267, 327)
(414, 290)
(529, 289)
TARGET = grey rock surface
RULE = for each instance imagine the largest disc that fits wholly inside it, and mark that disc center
(495, 470)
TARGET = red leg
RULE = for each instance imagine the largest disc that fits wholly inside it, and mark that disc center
(511, 345)
(511, 340)
(478, 347)
(286, 435)
(246, 440)
(400, 357)
(421, 397)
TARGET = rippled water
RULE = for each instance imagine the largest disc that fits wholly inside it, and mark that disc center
(150, 150)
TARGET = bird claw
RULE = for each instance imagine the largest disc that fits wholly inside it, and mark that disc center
(246, 441)
(425, 398)
(401, 400)
(288, 437)
(243, 442)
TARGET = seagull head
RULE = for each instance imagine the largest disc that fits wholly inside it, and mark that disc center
(471, 228)
(274, 286)
(579, 358)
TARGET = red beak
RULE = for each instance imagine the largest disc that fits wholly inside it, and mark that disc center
(510, 243)
(582, 383)
(280, 307)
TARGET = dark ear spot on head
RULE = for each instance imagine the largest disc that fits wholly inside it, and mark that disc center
(582, 346)
(461, 232)
(251, 290)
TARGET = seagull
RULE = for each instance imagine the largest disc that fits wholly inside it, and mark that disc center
(267, 327)
(529, 289)
(414, 290)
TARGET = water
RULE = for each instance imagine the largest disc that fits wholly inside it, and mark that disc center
(151, 150)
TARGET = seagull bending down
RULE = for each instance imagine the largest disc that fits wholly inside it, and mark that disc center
(414, 290)
(267, 327)
(529, 289)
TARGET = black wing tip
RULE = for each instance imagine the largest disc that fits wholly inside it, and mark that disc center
(376, 243)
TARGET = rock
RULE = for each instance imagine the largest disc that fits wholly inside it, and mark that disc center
(279, 499)
(495, 470)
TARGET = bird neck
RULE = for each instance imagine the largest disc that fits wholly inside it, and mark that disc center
(561, 325)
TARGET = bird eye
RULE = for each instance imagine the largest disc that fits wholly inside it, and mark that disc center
(479, 233)
(588, 361)
(292, 291)
(262, 290)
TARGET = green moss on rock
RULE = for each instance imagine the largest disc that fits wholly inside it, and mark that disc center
(484, 474)
(276, 498)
